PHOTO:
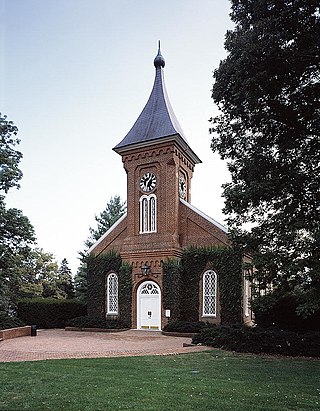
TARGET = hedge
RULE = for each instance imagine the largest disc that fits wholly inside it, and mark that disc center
(281, 311)
(186, 326)
(49, 312)
(261, 340)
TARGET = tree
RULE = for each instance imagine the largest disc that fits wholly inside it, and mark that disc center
(40, 276)
(16, 232)
(268, 92)
(81, 282)
(46, 271)
(114, 210)
(10, 174)
(64, 280)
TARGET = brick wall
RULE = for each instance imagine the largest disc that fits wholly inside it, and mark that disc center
(15, 332)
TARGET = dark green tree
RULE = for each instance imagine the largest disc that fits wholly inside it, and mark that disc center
(81, 282)
(64, 280)
(47, 273)
(114, 210)
(16, 232)
(10, 174)
(268, 92)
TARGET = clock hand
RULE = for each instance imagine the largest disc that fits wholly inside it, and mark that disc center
(149, 182)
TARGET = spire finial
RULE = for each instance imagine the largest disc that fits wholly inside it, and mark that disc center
(159, 60)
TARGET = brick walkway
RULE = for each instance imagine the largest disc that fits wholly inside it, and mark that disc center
(57, 344)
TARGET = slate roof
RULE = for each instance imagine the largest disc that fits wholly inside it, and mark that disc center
(157, 120)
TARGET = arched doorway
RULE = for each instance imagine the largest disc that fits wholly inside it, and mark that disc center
(149, 306)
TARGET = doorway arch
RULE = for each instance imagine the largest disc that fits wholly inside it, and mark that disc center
(149, 306)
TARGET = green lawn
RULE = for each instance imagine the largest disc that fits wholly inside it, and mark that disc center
(213, 380)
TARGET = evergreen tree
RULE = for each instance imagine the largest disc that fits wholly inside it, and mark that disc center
(114, 210)
(268, 91)
(80, 282)
(64, 280)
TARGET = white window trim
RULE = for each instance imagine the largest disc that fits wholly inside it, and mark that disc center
(114, 276)
(215, 279)
(247, 296)
(149, 225)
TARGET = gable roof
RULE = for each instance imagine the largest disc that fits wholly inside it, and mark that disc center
(157, 121)
(107, 233)
(205, 216)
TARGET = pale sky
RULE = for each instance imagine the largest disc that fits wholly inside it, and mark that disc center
(75, 75)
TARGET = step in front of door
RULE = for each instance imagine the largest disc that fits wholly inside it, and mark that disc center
(149, 327)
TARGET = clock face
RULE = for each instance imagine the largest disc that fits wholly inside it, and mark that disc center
(148, 182)
(182, 187)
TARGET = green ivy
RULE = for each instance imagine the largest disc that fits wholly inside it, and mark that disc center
(98, 268)
(172, 287)
(125, 292)
(181, 282)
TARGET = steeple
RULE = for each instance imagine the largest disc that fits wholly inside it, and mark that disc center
(157, 121)
(159, 60)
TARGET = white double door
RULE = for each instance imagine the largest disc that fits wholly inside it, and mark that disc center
(149, 306)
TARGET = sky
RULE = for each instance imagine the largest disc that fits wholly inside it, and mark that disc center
(74, 77)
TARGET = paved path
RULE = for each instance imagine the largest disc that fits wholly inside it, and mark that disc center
(55, 344)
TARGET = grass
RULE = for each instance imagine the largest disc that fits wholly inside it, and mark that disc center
(213, 380)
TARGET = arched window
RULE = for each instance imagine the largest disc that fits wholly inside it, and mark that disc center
(112, 294)
(246, 295)
(209, 294)
(148, 213)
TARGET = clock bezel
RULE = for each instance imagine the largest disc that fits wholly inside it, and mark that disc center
(148, 176)
(182, 192)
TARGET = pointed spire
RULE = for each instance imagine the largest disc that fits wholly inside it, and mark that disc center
(159, 60)
(157, 121)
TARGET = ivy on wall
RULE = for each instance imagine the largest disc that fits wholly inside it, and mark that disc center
(98, 268)
(171, 292)
(125, 292)
(181, 282)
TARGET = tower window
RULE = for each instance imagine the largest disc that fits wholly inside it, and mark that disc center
(209, 294)
(148, 213)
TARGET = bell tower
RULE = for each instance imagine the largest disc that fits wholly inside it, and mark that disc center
(159, 164)
(160, 221)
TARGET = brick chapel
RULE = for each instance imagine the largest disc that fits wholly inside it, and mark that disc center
(160, 221)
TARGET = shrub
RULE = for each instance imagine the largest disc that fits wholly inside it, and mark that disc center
(281, 311)
(49, 312)
(95, 322)
(185, 326)
(7, 321)
(261, 340)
